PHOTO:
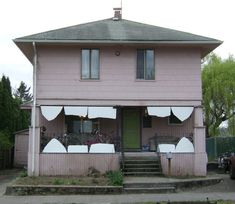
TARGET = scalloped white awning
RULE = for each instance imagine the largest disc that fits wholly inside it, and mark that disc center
(182, 113)
(51, 112)
(102, 112)
(80, 111)
(159, 111)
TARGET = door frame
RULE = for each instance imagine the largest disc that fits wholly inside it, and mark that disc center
(139, 109)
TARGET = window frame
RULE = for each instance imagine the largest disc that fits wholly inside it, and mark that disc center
(90, 65)
(145, 65)
(69, 119)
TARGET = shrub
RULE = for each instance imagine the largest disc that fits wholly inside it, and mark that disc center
(115, 178)
(58, 181)
(23, 174)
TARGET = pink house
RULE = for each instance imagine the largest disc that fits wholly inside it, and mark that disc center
(120, 82)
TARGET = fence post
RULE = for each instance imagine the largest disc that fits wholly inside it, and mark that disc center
(215, 147)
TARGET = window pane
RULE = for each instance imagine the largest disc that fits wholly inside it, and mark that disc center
(76, 127)
(95, 64)
(85, 64)
(149, 70)
(140, 64)
(87, 126)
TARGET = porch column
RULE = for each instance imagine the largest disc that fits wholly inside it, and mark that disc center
(119, 128)
(200, 162)
(34, 146)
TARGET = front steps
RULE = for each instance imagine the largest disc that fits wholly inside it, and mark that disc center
(141, 166)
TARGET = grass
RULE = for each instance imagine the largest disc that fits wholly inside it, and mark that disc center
(63, 180)
(115, 178)
(111, 178)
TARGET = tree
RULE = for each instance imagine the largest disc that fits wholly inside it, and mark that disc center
(218, 87)
(12, 118)
(231, 126)
(7, 124)
(23, 93)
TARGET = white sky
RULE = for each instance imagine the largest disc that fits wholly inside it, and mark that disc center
(211, 18)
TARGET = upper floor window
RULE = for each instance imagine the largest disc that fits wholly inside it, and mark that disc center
(145, 64)
(90, 64)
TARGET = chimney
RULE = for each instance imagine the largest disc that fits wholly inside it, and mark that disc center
(117, 14)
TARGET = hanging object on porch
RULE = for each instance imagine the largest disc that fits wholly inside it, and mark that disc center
(159, 111)
(80, 111)
(184, 145)
(51, 112)
(182, 113)
(54, 146)
(101, 112)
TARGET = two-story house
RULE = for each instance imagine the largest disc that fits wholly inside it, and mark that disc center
(120, 82)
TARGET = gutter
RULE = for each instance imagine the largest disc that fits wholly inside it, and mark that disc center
(34, 107)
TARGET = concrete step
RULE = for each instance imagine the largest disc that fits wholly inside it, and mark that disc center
(140, 169)
(148, 165)
(150, 190)
(143, 173)
(141, 162)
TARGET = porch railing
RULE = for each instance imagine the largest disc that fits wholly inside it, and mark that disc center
(81, 139)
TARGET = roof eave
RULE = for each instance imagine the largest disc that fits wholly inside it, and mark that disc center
(25, 45)
(118, 41)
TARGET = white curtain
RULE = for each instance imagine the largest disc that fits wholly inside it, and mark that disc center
(76, 110)
(51, 112)
(101, 112)
(54, 146)
(184, 145)
(159, 111)
(182, 113)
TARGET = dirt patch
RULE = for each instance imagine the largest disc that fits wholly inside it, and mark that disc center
(62, 180)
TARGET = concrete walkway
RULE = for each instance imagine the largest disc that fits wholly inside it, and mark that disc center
(156, 179)
(222, 191)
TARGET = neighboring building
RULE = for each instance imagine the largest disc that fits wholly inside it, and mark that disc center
(21, 148)
(110, 76)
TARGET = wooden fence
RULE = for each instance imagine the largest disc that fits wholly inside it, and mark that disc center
(6, 158)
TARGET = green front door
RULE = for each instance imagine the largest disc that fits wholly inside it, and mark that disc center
(131, 128)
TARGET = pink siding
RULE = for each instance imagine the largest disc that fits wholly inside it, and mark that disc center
(54, 127)
(182, 164)
(108, 126)
(76, 164)
(177, 77)
(161, 127)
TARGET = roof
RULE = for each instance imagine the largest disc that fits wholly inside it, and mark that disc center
(120, 31)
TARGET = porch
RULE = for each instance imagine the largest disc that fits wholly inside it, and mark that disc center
(133, 130)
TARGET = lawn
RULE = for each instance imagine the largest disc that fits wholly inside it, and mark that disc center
(63, 180)
(114, 178)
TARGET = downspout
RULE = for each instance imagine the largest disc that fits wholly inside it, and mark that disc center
(34, 107)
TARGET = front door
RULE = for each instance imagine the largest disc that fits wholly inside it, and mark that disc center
(131, 129)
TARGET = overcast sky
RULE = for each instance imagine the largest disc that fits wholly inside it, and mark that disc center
(211, 18)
